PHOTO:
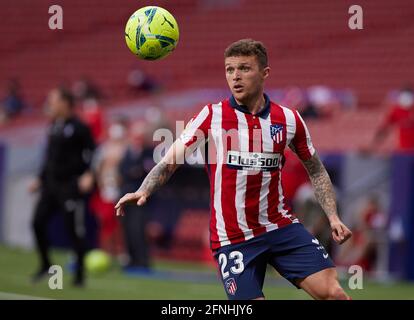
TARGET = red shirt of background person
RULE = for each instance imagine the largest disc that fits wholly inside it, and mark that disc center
(91, 113)
(294, 175)
(401, 116)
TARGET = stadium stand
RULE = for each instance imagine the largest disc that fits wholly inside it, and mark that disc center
(303, 41)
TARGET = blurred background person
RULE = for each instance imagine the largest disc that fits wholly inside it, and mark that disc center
(366, 247)
(140, 83)
(133, 168)
(106, 170)
(85, 89)
(322, 102)
(63, 181)
(13, 102)
(88, 98)
(401, 117)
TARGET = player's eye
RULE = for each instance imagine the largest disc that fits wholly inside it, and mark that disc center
(229, 70)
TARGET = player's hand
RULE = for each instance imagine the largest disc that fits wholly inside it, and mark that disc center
(85, 182)
(139, 197)
(340, 232)
(34, 185)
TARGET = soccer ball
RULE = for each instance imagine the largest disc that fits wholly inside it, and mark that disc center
(151, 33)
(97, 261)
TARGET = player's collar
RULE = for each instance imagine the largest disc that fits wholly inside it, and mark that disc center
(263, 113)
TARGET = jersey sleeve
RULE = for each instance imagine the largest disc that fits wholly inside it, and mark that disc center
(197, 128)
(302, 142)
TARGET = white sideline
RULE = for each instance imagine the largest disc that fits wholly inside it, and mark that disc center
(15, 296)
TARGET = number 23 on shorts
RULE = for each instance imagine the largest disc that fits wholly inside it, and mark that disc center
(235, 258)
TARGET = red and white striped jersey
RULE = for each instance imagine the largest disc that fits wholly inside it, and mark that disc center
(244, 159)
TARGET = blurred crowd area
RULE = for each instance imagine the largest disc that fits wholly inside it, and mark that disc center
(354, 89)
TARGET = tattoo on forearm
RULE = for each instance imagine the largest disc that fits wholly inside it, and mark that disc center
(157, 177)
(324, 191)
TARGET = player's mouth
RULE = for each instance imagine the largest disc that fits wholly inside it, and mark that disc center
(238, 88)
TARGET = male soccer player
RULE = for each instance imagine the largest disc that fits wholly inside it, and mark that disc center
(251, 225)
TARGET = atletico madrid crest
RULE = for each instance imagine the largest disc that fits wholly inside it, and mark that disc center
(231, 286)
(276, 132)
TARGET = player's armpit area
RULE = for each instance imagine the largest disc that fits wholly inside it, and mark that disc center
(322, 184)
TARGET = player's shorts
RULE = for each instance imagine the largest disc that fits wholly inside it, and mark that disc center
(291, 250)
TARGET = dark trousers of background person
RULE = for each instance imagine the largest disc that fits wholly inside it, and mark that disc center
(71, 205)
(134, 224)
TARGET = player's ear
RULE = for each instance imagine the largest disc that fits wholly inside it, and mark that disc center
(266, 72)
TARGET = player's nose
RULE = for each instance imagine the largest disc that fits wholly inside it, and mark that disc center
(236, 75)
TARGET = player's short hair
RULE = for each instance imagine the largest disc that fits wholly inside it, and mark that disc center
(67, 96)
(248, 47)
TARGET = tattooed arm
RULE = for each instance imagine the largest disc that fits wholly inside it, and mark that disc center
(325, 195)
(157, 177)
(322, 184)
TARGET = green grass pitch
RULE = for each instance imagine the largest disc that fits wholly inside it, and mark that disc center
(16, 265)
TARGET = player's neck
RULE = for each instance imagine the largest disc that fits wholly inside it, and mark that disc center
(254, 104)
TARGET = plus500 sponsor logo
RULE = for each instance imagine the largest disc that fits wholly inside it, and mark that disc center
(253, 160)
